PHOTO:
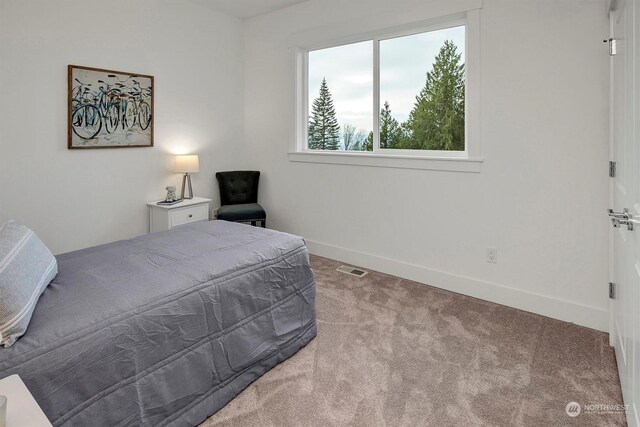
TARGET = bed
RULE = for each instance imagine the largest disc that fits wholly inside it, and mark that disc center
(165, 328)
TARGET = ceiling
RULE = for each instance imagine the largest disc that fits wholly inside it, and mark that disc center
(245, 9)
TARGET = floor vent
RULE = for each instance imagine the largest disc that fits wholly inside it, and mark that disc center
(351, 270)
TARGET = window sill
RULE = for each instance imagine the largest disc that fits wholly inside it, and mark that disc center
(389, 161)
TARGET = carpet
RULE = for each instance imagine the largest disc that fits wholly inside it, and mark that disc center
(391, 352)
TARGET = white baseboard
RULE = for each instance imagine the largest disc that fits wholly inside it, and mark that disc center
(568, 311)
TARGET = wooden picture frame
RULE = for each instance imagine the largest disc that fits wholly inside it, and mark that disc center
(109, 109)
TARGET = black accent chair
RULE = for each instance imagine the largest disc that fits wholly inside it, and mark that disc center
(239, 197)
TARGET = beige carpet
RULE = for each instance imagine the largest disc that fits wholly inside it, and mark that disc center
(391, 352)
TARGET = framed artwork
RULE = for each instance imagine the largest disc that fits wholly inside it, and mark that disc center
(109, 109)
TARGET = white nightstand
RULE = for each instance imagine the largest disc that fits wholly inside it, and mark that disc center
(163, 217)
(22, 409)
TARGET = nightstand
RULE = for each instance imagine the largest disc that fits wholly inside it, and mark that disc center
(165, 217)
(22, 409)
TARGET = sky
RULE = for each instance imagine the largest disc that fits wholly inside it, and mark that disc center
(404, 62)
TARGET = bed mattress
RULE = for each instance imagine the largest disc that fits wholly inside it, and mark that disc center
(166, 328)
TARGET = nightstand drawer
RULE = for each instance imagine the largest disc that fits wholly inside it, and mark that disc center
(165, 217)
(188, 215)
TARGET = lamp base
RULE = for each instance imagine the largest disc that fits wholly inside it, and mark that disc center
(186, 179)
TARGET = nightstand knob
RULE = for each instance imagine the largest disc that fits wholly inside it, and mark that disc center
(190, 215)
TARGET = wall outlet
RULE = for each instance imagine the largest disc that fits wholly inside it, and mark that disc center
(214, 213)
(492, 255)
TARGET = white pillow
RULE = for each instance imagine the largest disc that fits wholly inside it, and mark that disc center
(26, 268)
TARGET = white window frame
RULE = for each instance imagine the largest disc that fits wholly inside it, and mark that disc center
(469, 160)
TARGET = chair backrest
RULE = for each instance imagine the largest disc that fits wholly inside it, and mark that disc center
(237, 187)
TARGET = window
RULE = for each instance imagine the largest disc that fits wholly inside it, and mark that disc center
(341, 98)
(422, 87)
(403, 93)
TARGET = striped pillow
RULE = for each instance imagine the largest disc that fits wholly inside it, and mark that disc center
(26, 268)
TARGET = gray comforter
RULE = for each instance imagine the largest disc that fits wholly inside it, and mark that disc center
(166, 328)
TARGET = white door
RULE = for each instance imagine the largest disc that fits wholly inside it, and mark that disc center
(625, 194)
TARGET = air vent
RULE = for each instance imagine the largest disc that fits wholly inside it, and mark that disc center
(351, 270)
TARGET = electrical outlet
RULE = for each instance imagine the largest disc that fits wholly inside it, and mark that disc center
(215, 213)
(492, 255)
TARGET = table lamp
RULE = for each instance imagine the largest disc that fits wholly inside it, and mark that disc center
(187, 165)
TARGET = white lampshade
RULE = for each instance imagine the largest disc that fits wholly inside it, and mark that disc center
(187, 164)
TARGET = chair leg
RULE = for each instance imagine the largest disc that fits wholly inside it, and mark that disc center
(253, 223)
(264, 223)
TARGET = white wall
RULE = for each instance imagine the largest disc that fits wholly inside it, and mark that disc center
(74, 199)
(540, 198)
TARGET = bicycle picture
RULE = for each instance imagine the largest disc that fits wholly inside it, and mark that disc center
(109, 109)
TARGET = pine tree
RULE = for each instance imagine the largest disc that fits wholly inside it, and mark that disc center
(437, 119)
(368, 143)
(390, 132)
(324, 131)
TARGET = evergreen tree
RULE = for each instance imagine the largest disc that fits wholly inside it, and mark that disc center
(324, 131)
(437, 119)
(368, 143)
(390, 132)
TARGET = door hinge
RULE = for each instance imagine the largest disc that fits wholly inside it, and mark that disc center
(613, 46)
(612, 290)
(612, 169)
